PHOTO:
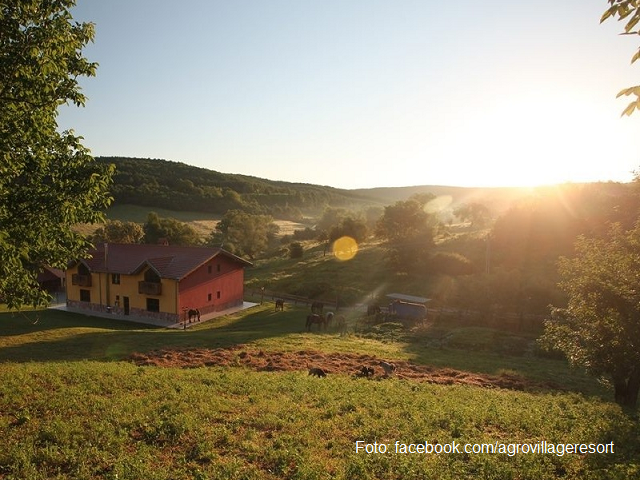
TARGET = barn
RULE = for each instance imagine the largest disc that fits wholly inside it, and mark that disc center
(156, 281)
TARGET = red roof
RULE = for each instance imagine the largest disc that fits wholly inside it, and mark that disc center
(167, 260)
(49, 274)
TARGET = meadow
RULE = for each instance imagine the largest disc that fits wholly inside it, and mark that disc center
(202, 222)
(74, 405)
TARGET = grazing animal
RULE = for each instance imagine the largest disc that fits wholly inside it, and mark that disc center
(318, 372)
(341, 324)
(280, 305)
(365, 372)
(329, 318)
(389, 368)
(315, 318)
(317, 307)
(194, 314)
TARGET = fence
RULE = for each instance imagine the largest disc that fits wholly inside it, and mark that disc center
(287, 297)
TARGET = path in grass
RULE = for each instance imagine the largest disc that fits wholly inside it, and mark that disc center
(332, 363)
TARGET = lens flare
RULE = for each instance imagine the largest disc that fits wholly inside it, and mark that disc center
(345, 248)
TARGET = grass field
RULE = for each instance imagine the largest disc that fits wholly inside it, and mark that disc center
(74, 406)
(203, 223)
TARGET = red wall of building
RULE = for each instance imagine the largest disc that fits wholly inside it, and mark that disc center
(215, 285)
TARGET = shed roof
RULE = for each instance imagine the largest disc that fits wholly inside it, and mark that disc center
(168, 261)
(408, 298)
(50, 274)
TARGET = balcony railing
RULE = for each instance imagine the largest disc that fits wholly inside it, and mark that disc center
(81, 280)
(150, 288)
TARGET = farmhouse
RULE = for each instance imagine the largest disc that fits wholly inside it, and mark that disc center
(156, 281)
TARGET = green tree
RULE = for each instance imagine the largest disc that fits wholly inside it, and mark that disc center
(372, 215)
(407, 230)
(600, 327)
(48, 181)
(628, 11)
(474, 212)
(331, 217)
(174, 231)
(349, 226)
(243, 233)
(296, 250)
(115, 231)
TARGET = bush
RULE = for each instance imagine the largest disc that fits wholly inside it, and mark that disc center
(306, 234)
(296, 250)
(450, 264)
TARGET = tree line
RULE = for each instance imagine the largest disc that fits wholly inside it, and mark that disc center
(177, 186)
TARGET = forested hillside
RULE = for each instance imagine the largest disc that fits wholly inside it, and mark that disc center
(177, 186)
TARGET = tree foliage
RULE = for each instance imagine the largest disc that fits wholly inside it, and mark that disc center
(331, 218)
(627, 11)
(476, 213)
(243, 233)
(48, 181)
(600, 327)
(116, 231)
(407, 229)
(448, 263)
(536, 231)
(351, 226)
(296, 250)
(177, 186)
(174, 231)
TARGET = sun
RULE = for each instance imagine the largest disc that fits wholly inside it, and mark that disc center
(543, 139)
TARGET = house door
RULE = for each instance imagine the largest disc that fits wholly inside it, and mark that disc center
(126, 305)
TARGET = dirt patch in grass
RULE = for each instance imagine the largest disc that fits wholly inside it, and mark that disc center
(332, 363)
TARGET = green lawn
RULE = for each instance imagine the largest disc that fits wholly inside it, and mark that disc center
(73, 407)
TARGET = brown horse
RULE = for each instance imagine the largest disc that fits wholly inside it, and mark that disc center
(315, 318)
(280, 305)
(194, 314)
(317, 307)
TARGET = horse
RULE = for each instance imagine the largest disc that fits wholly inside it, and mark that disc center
(389, 368)
(194, 315)
(329, 318)
(315, 318)
(280, 305)
(341, 324)
(316, 307)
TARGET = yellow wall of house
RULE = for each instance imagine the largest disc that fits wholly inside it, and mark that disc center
(73, 291)
(104, 292)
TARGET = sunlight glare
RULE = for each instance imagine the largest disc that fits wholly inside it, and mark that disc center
(345, 248)
(439, 204)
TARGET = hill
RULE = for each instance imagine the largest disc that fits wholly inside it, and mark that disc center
(497, 199)
(177, 186)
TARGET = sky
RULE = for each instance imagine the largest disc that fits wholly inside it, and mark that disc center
(363, 93)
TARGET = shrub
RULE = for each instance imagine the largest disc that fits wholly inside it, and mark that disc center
(448, 263)
(296, 250)
(306, 234)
